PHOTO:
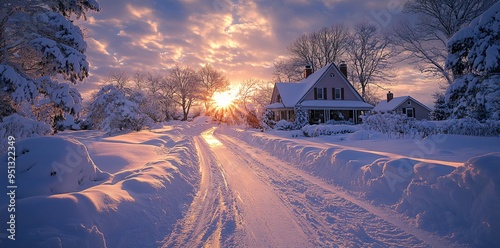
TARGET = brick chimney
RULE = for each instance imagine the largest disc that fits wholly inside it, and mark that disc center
(343, 68)
(308, 71)
(389, 96)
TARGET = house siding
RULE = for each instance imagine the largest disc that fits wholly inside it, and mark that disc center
(421, 113)
(332, 82)
(274, 98)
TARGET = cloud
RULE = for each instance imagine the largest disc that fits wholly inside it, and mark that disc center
(240, 37)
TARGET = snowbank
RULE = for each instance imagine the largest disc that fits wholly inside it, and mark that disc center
(135, 207)
(53, 165)
(465, 201)
(440, 197)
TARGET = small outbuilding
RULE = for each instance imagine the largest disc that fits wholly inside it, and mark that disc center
(403, 105)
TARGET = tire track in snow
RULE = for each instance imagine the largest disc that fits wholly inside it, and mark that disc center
(266, 220)
(212, 217)
(335, 217)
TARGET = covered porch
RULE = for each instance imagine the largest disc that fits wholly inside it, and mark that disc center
(318, 116)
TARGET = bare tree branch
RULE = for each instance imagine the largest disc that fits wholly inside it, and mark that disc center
(436, 22)
(370, 52)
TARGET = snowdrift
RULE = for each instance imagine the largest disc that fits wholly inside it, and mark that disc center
(86, 207)
(461, 202)
(53, 165)
(465, 201)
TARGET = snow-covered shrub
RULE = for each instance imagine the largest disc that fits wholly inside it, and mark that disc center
(147, 104)
(284, 125)
(401, 126)
(21, 128)
(301, 117)
(112, 110)
(317, 130)
(468, 126)
(252, 120)
(267, 120)
(334, 122)
(394, 125)
(68, 122)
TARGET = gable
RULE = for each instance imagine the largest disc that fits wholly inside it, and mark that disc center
(398, 102)
(330, 78)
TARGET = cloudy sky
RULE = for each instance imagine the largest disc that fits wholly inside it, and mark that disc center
(240, 37)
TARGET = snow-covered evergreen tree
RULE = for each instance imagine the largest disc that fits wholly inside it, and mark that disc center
(441, 108)
(113, 110)
(301, 117)
(39, 43)
(474, 59)
(267, 120)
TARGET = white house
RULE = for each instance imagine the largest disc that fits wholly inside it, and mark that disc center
(325, 94)
(403, 105)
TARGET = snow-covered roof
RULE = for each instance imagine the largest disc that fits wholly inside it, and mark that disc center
(288, 93)
(395, 103)
(276, 105)
(292, 93)
(338, 104)
(311, 80)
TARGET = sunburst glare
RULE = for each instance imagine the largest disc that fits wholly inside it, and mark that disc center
(223, 100)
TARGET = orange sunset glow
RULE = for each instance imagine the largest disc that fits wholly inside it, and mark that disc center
(243, 39)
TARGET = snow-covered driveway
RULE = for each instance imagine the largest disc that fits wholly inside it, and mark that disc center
(249, 198)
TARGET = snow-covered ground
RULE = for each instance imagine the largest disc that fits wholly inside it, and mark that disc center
(196, 184)
(445, 184)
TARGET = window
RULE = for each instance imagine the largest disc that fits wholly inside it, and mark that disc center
(338, 93)
(410, 112)
(409, 103)
(319, 93)
(283, 115)
(291, 115)
(317, 116)
(279, 98)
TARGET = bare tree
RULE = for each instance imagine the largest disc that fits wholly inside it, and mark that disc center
(153, 82)
(119, 78)
(211, 80)
(288, 70)
(185, 84)
(165, 98)
(139, 79)
(263, 94)
(246, 92)
(370, 52)
(320, 47)
(426, 40)
(331, 44)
